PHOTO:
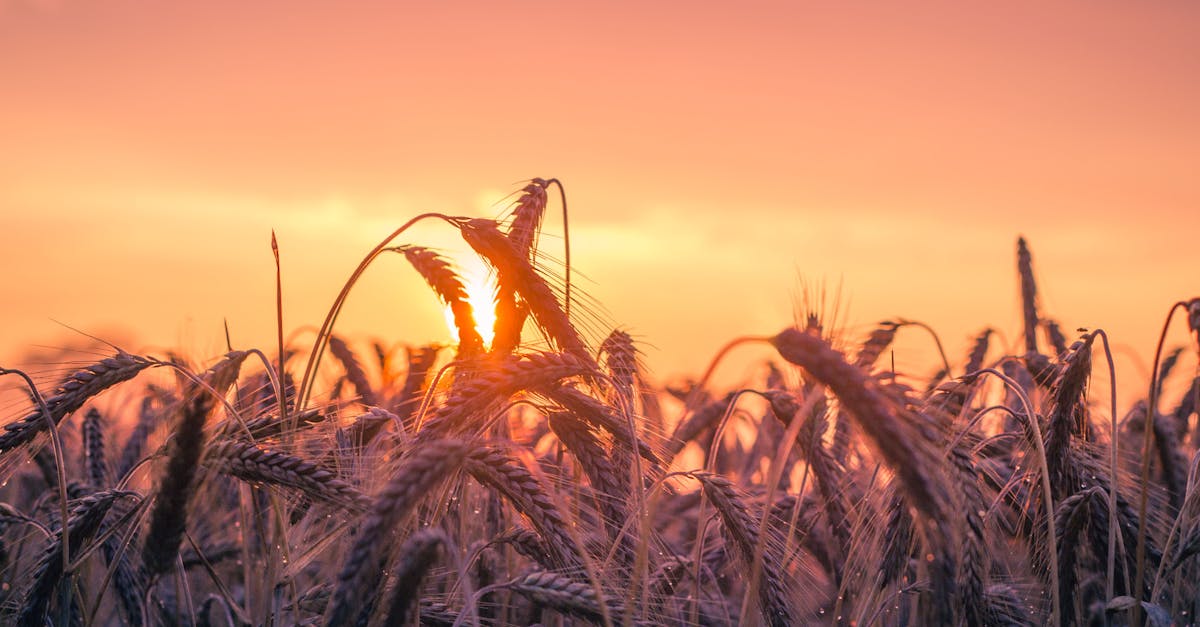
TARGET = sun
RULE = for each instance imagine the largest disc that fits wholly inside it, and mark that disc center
(480, 284)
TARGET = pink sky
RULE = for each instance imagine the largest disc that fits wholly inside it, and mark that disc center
(713, 154)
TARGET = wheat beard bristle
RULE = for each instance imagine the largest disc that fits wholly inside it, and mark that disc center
(87, 513)
(904, 446)
(611, 491)
(496, 469)
(448, 285)
(417, 556)
(72, 394)
(744, 530)
(488, 241)
(168, 516)
(493, 382)
(418, 474)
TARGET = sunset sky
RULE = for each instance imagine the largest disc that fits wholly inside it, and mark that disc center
(716, 156)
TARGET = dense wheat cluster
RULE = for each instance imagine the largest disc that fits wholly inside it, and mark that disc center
(543, 478)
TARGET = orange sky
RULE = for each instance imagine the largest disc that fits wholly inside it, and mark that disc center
(713, 154)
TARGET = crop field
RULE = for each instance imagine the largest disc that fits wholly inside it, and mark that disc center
(531, 472)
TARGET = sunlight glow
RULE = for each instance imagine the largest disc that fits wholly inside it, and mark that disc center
(480, 284)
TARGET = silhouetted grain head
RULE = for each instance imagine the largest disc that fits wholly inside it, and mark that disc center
(903, 439)
(743, 529)
(250, 462)
(72, 394)
(441, 276)
(168, 516)
(1067, 418)
(354, 370)
(878, 341)
(599, 415)
(611, 489)
(147, 420)
(1055, 336)
(487, 382)
(527, 216)
(418, 474)
(86, 515)
(621, 363)
(979, 351)
(417, 556)
(903, 445)
(94, 453)
(499, 471)
(1071, 519)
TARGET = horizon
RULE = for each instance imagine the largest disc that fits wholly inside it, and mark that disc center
(713, 164)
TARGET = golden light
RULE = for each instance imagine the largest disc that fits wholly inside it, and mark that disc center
(480, 284)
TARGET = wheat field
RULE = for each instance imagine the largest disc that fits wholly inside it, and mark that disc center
(532, 473)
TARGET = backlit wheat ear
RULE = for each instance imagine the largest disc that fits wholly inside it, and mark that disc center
(1171, 459)
(822, 464)
(72, 394)
(529, 544)
(1071, 520)
(417, 475)
(975, 562)
(420, 362)
(136, 442)
(877, 415)
(487, 240)
(522, 233)
(527, 217)
(440, 275)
